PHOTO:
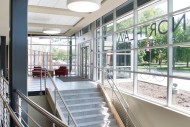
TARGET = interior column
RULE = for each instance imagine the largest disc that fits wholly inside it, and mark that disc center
(18, 52)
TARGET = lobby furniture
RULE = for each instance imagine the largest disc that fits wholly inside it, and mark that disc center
(38, 71)
(61, 71)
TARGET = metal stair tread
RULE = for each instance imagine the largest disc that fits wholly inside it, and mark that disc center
(94, 115)
(96, 122)
(79, 90)
(83, 104)
(83, 98)
(90, 109)
(71, 94)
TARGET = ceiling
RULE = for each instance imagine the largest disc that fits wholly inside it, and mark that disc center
(45, 14)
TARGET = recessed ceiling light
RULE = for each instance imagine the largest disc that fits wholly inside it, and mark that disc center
(83, 5)
(51, 31)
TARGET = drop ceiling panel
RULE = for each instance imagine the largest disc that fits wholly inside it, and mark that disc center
(38, 17)
(68, 20)
(33, 2)
(61, 4)
(52, 19)
(35, 29)
(40, 29)
(49, 3)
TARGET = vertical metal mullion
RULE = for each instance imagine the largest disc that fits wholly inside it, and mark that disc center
(70, 54)
(170, 53)
(82, 64)
(87, 58)
(135, 51)
(79, 60)
(114, 46)
(50, 44)
(94, 53)
(101, 48)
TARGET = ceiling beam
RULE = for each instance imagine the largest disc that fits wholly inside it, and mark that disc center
(49, 25)
(43, 34)
(55, 11)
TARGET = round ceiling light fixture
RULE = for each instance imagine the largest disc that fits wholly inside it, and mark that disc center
(83, 5)
(51, 31)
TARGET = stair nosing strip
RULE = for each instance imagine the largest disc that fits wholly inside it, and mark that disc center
(90, 109)
(81, 99)
(89, 116)
(80, 93)
(73, 105)
(94, 122)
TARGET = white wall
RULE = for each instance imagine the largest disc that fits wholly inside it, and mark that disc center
(4, 19)
(42, 101)
(151, 115)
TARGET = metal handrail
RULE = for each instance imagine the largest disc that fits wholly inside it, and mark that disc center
(7, 82)
(48, 115)
(126, 110)
(14, 117)
(61, 99)
(28, 115)
(116, 88)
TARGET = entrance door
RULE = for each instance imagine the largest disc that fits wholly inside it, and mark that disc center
(85, 62)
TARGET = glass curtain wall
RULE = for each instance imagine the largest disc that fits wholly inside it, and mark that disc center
(50, 52)
(145, 47)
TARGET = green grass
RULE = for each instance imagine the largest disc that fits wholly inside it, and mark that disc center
(164, 67)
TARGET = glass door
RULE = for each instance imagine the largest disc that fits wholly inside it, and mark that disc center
(85, 62)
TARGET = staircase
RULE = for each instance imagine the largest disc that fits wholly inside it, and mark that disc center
(88, 108)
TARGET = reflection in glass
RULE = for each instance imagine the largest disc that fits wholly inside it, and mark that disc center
(98, 33)
(153, 34)
(157, 9)
(107, 43)
(107, 29)
(181, 28)
(123, 58)
(124, 22)
(98, 45)
(107, 59)
(125, 39)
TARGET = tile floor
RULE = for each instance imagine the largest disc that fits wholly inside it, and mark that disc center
(34, 84)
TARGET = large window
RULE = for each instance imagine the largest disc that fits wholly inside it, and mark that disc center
(154, 47)
(52, 52)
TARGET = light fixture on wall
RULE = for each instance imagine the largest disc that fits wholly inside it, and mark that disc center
(51, 31)
(83, 5)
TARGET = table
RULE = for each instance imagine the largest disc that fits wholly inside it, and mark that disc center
(51, 72)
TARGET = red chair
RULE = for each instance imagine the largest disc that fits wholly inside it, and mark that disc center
(61, 71)
(38, 71)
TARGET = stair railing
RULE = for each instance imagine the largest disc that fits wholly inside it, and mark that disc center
(20, 109)
(62, 100)
(5, 110)
(44, 74)
(48, 115)
(12, 114)
(106, 73)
